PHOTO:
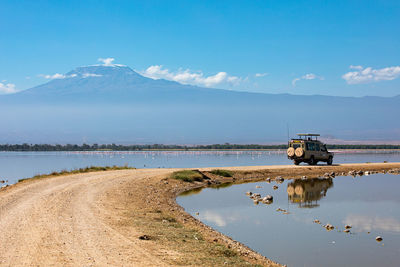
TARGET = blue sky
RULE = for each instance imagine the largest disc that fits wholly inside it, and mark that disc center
(348, 48)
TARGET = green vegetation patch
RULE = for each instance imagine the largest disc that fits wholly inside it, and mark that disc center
(187, 176)
(223, 173)
(80, 170)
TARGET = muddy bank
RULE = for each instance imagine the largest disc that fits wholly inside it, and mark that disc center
(172, 188)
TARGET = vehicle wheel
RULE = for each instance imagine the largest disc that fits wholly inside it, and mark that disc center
(329, 162)
(296, 162)
(312, 161)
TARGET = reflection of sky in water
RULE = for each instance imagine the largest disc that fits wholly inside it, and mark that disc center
(368, 203)
(218, 219)
(370, 223)
(16, 165)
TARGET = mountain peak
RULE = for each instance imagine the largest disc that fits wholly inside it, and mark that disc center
(100, 82)
(101, 70)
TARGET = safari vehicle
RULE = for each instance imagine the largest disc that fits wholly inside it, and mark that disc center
(307, 148)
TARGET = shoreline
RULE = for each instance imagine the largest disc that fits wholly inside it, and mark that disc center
(142, 202)
(348, 150)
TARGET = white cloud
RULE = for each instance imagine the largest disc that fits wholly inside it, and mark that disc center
(368, 75)
(8, 88)
(86, 75)
(189, 77)
(357, 67)
(106, 61)
(309, 76)
(56, 76)
(366, 223)
(260, 74)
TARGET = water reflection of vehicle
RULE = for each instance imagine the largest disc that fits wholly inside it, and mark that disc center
(307, 192)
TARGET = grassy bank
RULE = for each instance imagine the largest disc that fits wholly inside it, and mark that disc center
(187, 175)
(193, 249)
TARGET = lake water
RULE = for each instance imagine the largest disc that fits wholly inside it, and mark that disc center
(370, 204)
(17, 165)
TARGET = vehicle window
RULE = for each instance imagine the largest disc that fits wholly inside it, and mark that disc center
(310, 146)
(296, 146)
(317, 148)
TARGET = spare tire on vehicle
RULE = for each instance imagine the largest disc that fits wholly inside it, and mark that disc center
(290, 190)
(299, 190)
(290, 151)
(299, 152)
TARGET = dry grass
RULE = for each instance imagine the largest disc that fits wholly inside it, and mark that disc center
(192, 249)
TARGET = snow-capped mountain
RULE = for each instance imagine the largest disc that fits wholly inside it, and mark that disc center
(116, 104)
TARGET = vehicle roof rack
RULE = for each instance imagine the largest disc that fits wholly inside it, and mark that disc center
(307, 134)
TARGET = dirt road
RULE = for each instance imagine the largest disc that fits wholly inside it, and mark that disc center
(63, 221)
(95, 219)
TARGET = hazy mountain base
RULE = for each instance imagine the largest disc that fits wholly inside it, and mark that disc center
(122, 105)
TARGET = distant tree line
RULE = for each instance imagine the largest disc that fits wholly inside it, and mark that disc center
(115, 147)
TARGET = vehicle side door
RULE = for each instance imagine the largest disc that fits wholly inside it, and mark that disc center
(317, 151)
(307, 150)
(324, 152)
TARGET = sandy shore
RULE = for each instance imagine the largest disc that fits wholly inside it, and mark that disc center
(104, 218)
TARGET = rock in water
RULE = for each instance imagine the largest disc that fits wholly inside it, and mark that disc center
(329, 227)
(267, 199)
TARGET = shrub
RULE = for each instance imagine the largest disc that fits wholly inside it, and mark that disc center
(223, 173)
(187, 175)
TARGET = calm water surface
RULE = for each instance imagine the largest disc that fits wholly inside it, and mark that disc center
(368, 203)
(17, 165)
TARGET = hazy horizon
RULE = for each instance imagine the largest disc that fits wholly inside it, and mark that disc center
(153, 72)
